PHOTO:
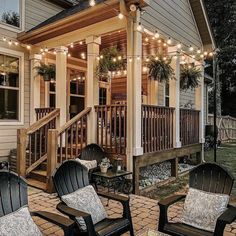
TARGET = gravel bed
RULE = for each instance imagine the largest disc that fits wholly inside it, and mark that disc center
(153, 174)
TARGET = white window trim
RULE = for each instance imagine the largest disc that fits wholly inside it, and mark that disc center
(22, 20)
(19, 55)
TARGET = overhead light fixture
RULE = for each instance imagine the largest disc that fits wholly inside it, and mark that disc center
(179, 45)
(169, 41)
(191, 48)
(156, 35)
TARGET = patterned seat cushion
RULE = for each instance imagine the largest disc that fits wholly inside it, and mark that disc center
(86, 200)
(18, 223)
(88, 164)
(201, 209)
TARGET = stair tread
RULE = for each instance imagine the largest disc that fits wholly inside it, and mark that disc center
(35, 183)
(40, 172)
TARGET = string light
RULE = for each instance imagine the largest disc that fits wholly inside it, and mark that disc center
(10, 42)
(16, 43)
(191, 48)
(179, 45)
(139, 27)
(4, 39)
(71, 45)
(164, 44)
(156, 58)
(120, 16)
(169, 41)
(156, 35)
(46, 49)
(198, 51)
(81, 42)
(119, 58)
(28, 47)
(92, 3)
(146, 39)
(205, 53)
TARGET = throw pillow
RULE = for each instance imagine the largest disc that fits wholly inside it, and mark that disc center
(201, 209)
(18, 223)
(88, 164)
(86, 200)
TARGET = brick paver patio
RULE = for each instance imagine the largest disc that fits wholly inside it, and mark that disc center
(145, 212)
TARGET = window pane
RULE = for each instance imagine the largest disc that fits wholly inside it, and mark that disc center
(52, 100)
(52, 87)
(81, 88)
(10, 12)
(78, 102)
(9, 71)
(9, 103)
(73, 85)
(102, 96)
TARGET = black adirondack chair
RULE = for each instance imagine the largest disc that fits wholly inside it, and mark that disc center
(13, 192)
(71, 176)
(208, 177)
(89, 153)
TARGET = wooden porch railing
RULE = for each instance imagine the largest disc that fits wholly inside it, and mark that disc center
(32, 143)
(111, 128)
(157, 128)
(66, 143)
(189, 126)
(41, 112)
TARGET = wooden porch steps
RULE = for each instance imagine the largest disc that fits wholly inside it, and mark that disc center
(36, 184)
(39, 175)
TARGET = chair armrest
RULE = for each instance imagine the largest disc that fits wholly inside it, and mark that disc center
(171, 200)
(73, 213)
(164, 204)
(56, 219)
(228, 216)
(115, 197)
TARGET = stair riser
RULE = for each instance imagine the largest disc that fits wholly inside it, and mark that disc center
(38, 177)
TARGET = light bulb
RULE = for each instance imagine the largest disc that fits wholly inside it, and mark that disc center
(198, 51)
(139, 27)
(179, 45)
(169, 41)
(92, 3)
(146, 39)
(156, 35)
(191, 49)
(28, 47)
(119, 58)
(156, 58)
(4, 39)
(10, 42)
(120, 16)
(71, 45)
(16, 43)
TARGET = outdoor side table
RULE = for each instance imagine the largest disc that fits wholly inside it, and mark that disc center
(115, 180)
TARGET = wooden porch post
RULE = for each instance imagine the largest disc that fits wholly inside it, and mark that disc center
(199, 100)
(175, 97)
(134, 87)
(21, 151)
(61, 83)
(51, 157)
(34, 86)
(92, 87)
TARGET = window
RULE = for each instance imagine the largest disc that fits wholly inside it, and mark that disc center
(11, 13)
(10, 88)
(102, 96)
(167, 94)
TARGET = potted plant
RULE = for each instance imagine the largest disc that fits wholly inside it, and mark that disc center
(109, 61)
(189, 77)
(46, 71)
(104, 165)
(160, 69)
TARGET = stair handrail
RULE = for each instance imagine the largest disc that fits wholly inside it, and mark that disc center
(24, 136)
(43, 121)
(69, 123)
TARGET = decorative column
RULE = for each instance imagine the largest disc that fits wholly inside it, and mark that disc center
(134, 90)
(61, 83)
(34, 86)
(199, 104)
(92, 88)
(175, 98)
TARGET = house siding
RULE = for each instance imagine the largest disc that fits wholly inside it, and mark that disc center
(172, 19)
(36, 11)
(187, 97)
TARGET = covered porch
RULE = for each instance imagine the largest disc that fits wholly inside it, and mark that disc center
(128, 114)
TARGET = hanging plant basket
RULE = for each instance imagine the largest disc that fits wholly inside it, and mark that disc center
(46, 71)
(160, 69)
(109, 61)
(189, 77)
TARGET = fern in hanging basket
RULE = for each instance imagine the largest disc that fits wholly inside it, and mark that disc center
(46, 71)
(109, 61)
(160, 69)
(189, 77)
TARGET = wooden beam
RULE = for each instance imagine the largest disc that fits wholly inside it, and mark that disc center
(21, 151)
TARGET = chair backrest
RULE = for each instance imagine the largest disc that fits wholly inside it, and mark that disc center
(211, 177)
(13, 192)
(69, 177)
(92, 152)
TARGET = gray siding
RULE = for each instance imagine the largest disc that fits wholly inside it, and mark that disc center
(36, 12)
(173, 19)
(160, 94)
(187, 97)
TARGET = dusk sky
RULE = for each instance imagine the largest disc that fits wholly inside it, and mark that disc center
(9, 5)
